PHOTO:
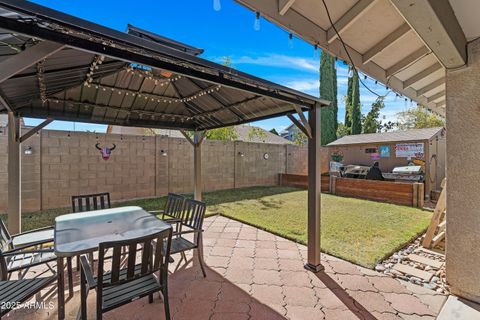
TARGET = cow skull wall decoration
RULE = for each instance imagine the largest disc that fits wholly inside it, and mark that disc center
(105, 151)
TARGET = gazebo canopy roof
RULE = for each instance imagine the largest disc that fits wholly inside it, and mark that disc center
(91, 73)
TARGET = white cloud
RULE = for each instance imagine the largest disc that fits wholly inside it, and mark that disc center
(342, 81)
(280, 61)
(304, 85)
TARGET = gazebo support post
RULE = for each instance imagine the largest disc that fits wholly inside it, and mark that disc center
(14, 208)
(198, 137)
(314, 189)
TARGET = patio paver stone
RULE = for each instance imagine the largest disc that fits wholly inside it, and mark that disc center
(252, 274)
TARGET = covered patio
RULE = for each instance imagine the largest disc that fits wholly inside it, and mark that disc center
(75, 70)
(253, 274)
(427, 51)
(58, 67)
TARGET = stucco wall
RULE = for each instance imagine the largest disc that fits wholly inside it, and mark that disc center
(463, 197)
(67, 163)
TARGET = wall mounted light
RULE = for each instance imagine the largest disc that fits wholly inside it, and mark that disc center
(266, 156)
(163, 153)
(241, 154)
(28, 150)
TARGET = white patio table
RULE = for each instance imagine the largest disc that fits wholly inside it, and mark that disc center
(81, 232)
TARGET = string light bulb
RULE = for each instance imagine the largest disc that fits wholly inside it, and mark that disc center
(290, 40)
(217, 6)
(335, 63)
(256, 23)
(315, 50)
(350, 72)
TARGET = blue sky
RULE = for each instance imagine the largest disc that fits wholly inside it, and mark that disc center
(229, 32)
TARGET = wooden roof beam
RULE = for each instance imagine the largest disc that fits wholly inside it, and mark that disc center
(34, 130)
(431, 86)
(28, 57)
(352, 15)
(5, 104)
(436, 24)
(407, 61)
(386, 42)
(295, 22)
(436, 96)
(421, 75)
(284, 5)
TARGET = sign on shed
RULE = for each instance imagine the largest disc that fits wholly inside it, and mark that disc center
(410, 150)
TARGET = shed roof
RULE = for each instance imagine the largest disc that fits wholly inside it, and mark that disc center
(394, 136)
(101, 75)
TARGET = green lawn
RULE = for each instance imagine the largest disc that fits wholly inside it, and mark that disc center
(360, 231)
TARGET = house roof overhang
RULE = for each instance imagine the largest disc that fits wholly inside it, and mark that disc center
(53, 65)
(406, 45)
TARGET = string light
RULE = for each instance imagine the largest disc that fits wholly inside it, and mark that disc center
(97, 60)
(41, 81)
(147, 74)
(141, 113)
(290, 40)
(256, 23)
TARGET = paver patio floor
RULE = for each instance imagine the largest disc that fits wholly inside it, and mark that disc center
(252, 274)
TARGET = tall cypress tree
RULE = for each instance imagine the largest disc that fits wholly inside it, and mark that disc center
(348, 106)
(328, 123)
(356, 112)
(335, 94)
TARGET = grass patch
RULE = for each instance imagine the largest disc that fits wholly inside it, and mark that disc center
(360, 231)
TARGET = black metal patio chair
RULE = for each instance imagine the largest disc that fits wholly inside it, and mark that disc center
(37, 237)
(119, 286)
(191, 223)
(88, 202)
(173, 210)
(20, 252)
(32, 253)
(14, 292)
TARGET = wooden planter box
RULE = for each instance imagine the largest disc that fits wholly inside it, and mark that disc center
(301, 181)
(403, 193)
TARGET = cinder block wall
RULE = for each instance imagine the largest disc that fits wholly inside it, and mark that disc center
(72, 165)
(31, 196)
(67, 163)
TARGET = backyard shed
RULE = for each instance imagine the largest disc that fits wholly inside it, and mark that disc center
(425, 147)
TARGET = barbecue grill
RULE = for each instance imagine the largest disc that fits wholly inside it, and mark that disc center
(354, 171)
(408, 173)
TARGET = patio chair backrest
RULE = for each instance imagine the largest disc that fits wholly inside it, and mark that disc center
(3, 267)
(155, 252)
(5, 237)
(193, 214)
(89, 202)
(174, 205)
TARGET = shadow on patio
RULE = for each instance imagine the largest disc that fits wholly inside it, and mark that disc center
(253, 274)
